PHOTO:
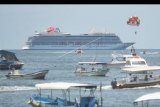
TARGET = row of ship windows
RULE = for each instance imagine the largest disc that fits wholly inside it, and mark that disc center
(69, 43)
(80, 39)
(76, 38)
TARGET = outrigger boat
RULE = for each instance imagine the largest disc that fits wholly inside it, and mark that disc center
(138, 77)
(91, 69)
(87, 100)
(15, 74)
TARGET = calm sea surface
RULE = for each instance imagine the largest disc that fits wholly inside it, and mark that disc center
(61, 65)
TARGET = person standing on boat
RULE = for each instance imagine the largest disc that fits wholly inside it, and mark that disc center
(146, 78)
(12, 71)
(133, 52)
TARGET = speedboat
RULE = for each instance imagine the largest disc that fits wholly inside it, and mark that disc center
(120, 60)
(138, 77)
(139, 74)
(35, 75)
(9, 60)
(52, 100)
(91, 69)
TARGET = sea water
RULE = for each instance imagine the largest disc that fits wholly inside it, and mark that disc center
(61, 65)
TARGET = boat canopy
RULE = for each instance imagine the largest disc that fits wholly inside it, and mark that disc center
(152, 96)
(92, 62)
(141, 69)
(63, 85)
(8, 55)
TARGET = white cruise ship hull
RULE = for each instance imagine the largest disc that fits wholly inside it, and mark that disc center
(88, 47)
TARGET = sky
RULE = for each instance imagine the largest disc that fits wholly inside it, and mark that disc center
(18, 22)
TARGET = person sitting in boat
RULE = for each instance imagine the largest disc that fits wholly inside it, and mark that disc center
(83, 69)
(93, 69)
(146, 78)
(135, 78)
(151, 78)
(114, 83)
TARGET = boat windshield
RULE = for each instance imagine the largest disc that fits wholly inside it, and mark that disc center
(139, 63)
(120, 58)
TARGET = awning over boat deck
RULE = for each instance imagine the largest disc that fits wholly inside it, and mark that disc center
(8, 55)
(141, 69)
(152, 96)
(63, 85)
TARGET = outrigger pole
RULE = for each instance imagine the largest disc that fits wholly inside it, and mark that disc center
(80, 47)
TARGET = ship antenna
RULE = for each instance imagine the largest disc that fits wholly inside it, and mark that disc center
(79, 47)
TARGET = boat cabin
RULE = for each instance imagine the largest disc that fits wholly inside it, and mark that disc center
(136, 62)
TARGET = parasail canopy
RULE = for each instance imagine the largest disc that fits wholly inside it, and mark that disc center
(133, 21)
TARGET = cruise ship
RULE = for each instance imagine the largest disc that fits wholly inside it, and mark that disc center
(54, 39)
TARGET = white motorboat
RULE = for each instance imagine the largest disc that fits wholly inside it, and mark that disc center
(139, 74)
(138, 77)
(91, 69)
(119, 60)
(135, 62)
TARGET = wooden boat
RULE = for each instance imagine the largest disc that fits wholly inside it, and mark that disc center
(148, 100)
(35, 75)
(91, 69)
(8, 60)
(138, 77)
(66, 99)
